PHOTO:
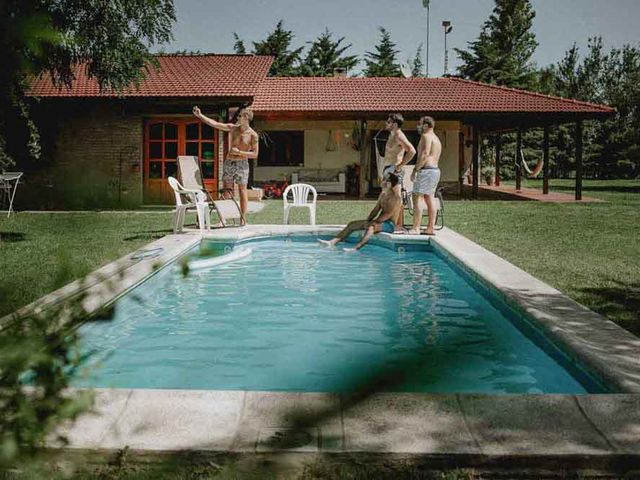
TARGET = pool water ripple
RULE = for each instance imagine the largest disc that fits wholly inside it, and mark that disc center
(295, 316)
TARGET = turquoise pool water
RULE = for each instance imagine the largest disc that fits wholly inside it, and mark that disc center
(296, 316)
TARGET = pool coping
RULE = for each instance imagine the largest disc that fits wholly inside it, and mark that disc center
(477, 425)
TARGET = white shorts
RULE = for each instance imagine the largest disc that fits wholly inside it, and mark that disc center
(427, 181)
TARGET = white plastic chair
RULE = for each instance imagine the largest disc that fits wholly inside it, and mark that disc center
(196, 200)
(300, 193)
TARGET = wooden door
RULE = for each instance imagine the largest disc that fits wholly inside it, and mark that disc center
(165, 139)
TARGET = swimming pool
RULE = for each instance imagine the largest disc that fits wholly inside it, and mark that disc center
(294, 316)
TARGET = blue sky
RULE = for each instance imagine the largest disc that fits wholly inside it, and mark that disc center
(208, 25)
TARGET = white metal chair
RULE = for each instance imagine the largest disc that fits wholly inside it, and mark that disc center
(195, 199)
(300, 193)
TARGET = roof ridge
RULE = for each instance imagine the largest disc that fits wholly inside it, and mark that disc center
(534, 94)
(207, 54)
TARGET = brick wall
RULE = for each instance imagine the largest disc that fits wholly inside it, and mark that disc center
(93, 160)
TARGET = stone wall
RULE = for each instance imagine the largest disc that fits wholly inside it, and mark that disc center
(94, 158)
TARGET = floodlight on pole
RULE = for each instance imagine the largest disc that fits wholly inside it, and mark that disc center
(446, 24)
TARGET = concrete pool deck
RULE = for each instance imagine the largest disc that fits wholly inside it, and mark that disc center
(605, 426)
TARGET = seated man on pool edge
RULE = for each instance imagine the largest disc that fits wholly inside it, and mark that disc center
(381, 218)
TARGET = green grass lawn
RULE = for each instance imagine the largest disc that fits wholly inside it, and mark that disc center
(589, 251)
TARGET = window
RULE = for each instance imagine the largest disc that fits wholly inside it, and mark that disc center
(281, 149)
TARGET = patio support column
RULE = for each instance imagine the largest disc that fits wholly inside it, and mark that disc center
(364, 159)
(498, 152)
(579, 160)
(545, 159)
(518, 160)
(475, 162)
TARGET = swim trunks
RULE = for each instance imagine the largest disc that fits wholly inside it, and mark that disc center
(427, 181)
(388, 226)
(235, 171)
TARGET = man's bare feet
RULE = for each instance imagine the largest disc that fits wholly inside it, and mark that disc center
(430, 233)
(413, 232)
(329, 243)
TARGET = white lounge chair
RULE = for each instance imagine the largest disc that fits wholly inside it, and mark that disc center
(300, 193)
(195, 199)
(227, 207)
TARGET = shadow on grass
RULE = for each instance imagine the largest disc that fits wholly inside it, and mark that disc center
(620, 301)
(12, 237)
(148, 235)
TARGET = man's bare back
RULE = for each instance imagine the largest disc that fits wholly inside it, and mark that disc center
(390, 204)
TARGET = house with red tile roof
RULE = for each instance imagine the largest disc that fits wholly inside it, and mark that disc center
(105, 149)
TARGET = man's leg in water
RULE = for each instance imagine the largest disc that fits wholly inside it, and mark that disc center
(375, 228)
(346, 231)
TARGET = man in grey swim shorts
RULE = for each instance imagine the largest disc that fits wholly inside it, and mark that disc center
(426, 175)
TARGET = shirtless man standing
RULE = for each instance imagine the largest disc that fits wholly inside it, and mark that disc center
(379, 220)
(244, 145)
(397, 153)
(426, 174)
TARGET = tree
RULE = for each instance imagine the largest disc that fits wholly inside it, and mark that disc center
(238, 46)
(382, 62)
(326, 54)
(502, 52)
(416, 64)
(286, 62)
(613, 78)
(109, 39)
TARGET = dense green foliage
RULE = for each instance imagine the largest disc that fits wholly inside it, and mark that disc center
(501, 55)
(502, 52)
(326, 54)
(383, 61)
(278, 44)
(109, 39)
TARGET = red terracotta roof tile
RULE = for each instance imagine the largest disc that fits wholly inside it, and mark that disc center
(298, 94)
(178, 76)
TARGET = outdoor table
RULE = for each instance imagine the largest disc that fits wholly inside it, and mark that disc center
(8, 186)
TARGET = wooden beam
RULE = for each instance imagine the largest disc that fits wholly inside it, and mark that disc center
(475, 153)
(461, 169)
(518, 160)
(498, 153)
(579, 160)
(545, 159)
(364, 159)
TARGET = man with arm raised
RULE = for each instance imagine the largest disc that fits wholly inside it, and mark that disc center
(243, 146)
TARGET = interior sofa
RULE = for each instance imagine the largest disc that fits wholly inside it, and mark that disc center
(324, 180)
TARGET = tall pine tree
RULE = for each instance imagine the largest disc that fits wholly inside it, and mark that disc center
(326, 54)
(286, 62)
(238, 45)
(382, 62)
(502, 52)
(417, 65)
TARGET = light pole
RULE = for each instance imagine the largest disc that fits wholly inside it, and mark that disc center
(426, 5)
(446, 24)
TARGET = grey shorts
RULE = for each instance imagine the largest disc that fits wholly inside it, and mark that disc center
(235, 171)
(392, 169)
(427, 181)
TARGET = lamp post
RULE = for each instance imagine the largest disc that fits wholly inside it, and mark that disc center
(426, 4)
(446, 24)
